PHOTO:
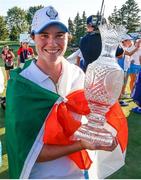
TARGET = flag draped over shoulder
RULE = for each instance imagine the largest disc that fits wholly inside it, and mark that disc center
(64, 125)
(60, 125)
(27, 106)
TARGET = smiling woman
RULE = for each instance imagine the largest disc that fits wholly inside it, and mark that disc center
(48, 78)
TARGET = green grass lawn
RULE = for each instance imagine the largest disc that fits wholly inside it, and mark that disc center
(132, 169)
(4, 168)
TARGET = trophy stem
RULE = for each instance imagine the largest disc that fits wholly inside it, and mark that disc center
(97, 114)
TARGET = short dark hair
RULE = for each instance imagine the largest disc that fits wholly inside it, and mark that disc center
(119, 51)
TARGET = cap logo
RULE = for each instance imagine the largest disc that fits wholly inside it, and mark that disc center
(51, 13)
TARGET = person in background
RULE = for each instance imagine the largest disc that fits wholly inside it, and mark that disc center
(77, 58)
(80, 61)
(24, 52)
(121, 61)
(8, 58)
(1, 81)
(90, 44)
(72, 58)
(136, 94)
(134, 53)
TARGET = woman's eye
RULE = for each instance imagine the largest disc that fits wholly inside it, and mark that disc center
(44, 36)
(61, 36)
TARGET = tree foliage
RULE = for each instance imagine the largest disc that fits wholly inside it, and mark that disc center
(14, 34)
(77, 27)
(3, 29)
(16, 18)
(127, 15)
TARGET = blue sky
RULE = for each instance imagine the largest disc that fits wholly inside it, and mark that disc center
(68, 8)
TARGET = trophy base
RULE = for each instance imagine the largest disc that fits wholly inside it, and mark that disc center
(98, 137)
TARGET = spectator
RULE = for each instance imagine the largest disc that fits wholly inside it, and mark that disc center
(90, 44)
(134, 52)
(8, 58)
(136, 94)
(73, 57)
(24, 52)
(1, 81)
(121, 61)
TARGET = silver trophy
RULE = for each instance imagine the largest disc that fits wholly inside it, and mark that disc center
(103, 84)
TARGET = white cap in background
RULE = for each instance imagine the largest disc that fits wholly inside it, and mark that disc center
(126, 37)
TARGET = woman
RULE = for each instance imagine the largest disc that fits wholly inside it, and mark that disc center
(134, 52)
(24, 52)
(8, 58)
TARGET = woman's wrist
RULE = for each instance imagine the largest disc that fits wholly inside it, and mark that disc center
(80, 144)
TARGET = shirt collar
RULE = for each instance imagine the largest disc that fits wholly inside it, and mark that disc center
(38, 74)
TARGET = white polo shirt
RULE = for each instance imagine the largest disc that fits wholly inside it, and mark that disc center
(135, 56)
(72, 78)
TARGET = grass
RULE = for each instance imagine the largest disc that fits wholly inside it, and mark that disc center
(4, 168)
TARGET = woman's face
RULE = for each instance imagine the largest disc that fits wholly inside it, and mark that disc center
(126, 43)
(6, 49)
(51, 43)
(25, 45)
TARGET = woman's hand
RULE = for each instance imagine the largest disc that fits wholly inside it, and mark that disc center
(86, 145)
(51, 152)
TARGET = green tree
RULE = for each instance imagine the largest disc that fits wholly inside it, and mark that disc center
(84, 19)
(132, 17)
(14, 34)
(79, 27)
(3, 29)
(71, 28)
(16, 17)
(114, 18)
(77, 22)
(127, 15)
(122, 14)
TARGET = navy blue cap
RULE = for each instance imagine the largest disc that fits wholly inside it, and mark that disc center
(92, 20)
